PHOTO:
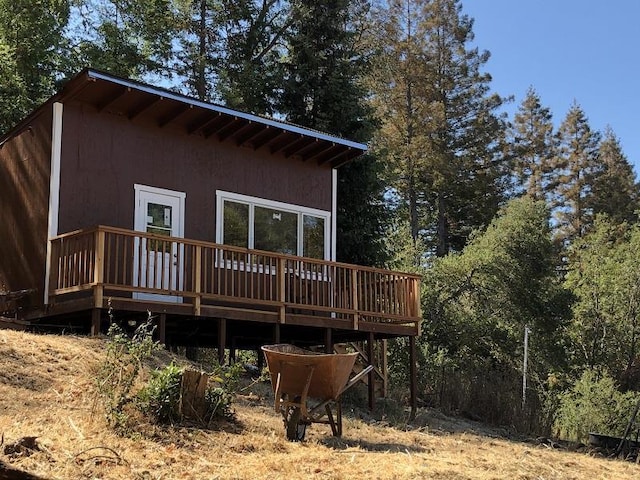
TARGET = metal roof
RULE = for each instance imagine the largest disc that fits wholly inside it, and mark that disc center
(139, 101)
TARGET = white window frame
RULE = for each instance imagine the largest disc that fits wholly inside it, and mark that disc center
(253, 202)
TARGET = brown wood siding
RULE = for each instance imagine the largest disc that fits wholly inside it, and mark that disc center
(105, 155)
(24, 196)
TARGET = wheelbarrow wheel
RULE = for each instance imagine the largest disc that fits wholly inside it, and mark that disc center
(296, 429)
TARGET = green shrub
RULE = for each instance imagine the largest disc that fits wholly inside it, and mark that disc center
(593, 405)
(160, 398)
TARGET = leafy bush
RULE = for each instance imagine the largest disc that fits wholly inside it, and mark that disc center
(593, 405)
(160, 398)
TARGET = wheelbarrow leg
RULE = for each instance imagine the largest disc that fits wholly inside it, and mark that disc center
(336, 425)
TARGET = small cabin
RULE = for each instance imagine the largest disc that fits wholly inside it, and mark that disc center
(121, 196)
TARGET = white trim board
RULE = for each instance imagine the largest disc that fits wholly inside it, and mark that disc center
(54, 190)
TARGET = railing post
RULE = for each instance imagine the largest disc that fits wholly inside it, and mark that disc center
(98, 269)
(197, 281)
(354, 298)
(53, 273)
(417, 305)
(281, 289)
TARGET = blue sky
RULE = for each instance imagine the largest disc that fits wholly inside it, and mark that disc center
(582, 50)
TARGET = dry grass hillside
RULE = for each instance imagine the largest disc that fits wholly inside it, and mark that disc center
(46, 391)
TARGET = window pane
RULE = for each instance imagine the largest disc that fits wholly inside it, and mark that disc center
(236, 224)
(159, 223)
(276, 231)
(313, 237)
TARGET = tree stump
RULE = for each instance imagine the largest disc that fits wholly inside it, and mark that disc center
(193, 404)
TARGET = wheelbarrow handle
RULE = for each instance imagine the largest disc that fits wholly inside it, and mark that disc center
(356, 379)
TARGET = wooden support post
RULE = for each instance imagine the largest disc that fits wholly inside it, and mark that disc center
(222, 339)
(162, 329)
(413, 374)
(372, 374)
(260, 355)
(276, 333)
(232, 352)
(96, 321)
(328, 341)
(384, 369)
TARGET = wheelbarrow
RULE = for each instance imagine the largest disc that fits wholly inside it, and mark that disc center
(306, 385)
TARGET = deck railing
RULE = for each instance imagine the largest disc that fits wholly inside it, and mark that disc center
(158, 268)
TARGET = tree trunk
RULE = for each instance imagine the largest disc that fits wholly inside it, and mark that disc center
(442, 246)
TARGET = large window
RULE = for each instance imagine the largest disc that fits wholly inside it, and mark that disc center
(273, 226)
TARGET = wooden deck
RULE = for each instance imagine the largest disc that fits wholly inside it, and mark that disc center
(102, 266)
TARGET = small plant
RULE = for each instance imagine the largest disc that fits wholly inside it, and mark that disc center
(219, 395)
(160, 398)
(121, 367)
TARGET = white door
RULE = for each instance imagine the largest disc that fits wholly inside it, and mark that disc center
(157, 262)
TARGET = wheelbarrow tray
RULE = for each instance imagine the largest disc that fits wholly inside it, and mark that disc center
(291, 366)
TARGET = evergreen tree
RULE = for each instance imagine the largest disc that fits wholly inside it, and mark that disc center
(250, 76)
(440, 124)
(323, 90)
(125, 38)
(200, 50)
(573, 173)
(32, 46)
(614, 191)
(14, 100)
(402, 89)
(533, 146)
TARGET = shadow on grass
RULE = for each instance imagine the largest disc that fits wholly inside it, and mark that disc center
(345, 443)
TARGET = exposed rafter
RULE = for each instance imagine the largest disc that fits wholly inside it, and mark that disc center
(143, 106)
(121, 92)
(174, 115)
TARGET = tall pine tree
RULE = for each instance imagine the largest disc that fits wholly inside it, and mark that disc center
(446, 155)
(614, 191)
(250, 76)
(323, 90)
(533, 146)
(574, 168)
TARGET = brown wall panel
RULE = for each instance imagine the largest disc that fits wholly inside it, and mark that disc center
(24, 201)
(104, 155)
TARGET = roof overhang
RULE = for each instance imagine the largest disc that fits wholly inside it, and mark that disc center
(139, 101)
